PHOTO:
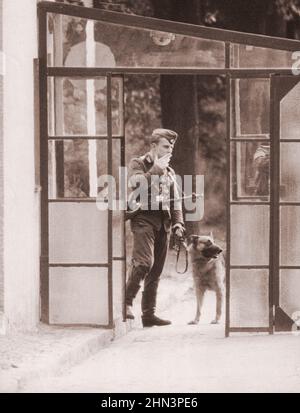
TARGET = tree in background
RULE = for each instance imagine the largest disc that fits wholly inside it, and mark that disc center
(195, 105)
(289, 10)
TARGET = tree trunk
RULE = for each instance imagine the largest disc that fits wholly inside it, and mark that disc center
(180, 111)
(179, 99)
(181, 108)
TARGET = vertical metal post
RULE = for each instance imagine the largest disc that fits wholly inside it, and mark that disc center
(273, 214)
(58, 161)
(228, 186)
(123, 160)
(228, 197)
(109, 228)
(43, 112)
(275, 159)
(227, 55)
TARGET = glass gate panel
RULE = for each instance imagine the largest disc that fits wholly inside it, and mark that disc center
(68, 222)
(249, 286)
(286, 91)
(289, 286)
(86, 233)
(78, 295)
(250, 231)
(117, 45)
(290, 114)
(247, 56)
(290, 172)
(80, 106)
(82, 142)
(250, 170)
(250, 109)
(70, 173)
(248, 269)
(289, 235)
(81, 244)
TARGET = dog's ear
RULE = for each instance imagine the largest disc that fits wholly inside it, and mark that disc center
(191, 239)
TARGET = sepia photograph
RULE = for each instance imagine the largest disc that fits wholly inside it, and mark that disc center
(150, 199)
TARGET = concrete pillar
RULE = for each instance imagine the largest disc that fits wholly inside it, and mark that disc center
(1, 176)
(21, 199)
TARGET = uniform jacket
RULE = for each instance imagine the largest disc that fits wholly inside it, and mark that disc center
(172, 214)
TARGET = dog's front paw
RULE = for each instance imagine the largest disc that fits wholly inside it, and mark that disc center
(215, 321)
(193, 322)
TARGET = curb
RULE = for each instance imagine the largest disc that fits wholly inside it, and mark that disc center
(16, 381)
(79, 348)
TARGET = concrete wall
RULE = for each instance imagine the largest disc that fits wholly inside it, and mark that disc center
(1, 174)
(21, 201)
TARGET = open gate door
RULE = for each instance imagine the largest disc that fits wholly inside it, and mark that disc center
(249, 255)
(82, 139)
(286, 137)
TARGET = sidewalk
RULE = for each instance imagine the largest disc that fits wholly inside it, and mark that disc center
(183, 358)
(24, 357)
(49, 350)
(178, 358)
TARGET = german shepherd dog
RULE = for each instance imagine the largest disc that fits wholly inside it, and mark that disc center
(208, 272)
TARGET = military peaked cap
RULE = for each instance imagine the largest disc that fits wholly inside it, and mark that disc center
(168, 134)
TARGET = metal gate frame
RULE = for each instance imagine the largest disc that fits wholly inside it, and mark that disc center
(228, 37)
(279, 89)
(270, 203)
(44, 139)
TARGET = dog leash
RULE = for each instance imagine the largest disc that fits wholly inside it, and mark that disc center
(179, 244)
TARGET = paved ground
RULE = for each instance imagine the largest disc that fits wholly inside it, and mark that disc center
(183, 358)
(176, 358)
(24, 357)
(48, 350)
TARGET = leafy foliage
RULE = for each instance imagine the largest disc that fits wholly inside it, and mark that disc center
(142, 112)
(143, 94)
(212, 146)
(289, 9)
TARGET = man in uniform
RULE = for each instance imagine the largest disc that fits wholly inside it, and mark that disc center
(262, 170)
(151, 225)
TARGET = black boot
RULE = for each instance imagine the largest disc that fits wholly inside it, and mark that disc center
(137, 274)
(152, 320)
(148, 308)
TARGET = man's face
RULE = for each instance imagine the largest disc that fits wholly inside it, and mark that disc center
(163, 147)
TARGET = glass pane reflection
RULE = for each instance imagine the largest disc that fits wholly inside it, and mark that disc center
(77, 233)
(250, 171)
(74, 167)
(289, 299)
(78, 106)
(120, 46)
(289, 235)
(249, 234)
(249, 298)
(290, 114)
(78, 296)
(290, 172)
(247, 56)
(250, 108)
